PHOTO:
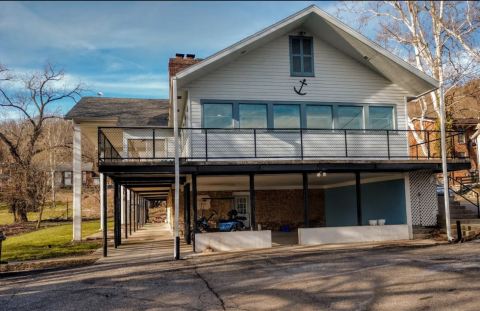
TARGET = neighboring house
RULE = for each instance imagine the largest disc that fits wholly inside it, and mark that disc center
(300, 127)
(464, 116)
(64, 175)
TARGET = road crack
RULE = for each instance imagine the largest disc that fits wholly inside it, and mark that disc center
(210, 288)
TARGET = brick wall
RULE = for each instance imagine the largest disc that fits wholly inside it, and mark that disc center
(274, 208)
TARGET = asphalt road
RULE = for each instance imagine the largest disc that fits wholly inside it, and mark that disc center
(141, 276)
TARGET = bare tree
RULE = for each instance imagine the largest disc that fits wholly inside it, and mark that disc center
(29, 101)
(437, 37)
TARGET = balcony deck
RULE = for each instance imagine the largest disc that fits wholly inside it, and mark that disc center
(259, 149)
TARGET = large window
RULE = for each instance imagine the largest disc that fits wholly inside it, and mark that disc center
(380, 118)
(252, 115)
(286, 116)
(349, 117)
(301, 56)
(319, 117)
(217, 115)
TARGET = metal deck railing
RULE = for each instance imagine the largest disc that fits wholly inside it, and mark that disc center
(205, 144)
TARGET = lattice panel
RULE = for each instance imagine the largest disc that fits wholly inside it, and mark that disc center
(423, 198)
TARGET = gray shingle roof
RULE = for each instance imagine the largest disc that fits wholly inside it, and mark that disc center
(128, 111)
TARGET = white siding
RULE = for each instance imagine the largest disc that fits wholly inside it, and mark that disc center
(264, 74)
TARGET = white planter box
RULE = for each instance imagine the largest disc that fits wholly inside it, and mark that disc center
(232, 241)
(311, 236)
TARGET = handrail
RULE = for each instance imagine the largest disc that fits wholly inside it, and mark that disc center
(470, 189)
(264, 143)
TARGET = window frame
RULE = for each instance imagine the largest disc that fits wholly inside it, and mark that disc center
(302, 73)
(303, 117)
(364, 116)
(394, 116)
(237, 112)
(232, 105)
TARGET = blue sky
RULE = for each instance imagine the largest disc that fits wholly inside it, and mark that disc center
(122, 48)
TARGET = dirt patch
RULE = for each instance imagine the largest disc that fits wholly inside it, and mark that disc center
(35, 265)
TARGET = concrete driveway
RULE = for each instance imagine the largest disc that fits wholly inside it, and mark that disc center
(141, 276)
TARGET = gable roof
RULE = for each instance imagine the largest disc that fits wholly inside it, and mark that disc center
(124, 111)
(335, 33)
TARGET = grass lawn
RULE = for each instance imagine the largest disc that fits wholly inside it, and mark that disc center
(50, 242)
(60, 211)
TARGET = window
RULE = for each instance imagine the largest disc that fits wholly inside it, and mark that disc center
(67, 178)
(319, 117)
(462, 155)
(301, 56)
(252, 115)
(217, 116)
(380, 118)
(286, 116)
(349, 117)
(461, 138)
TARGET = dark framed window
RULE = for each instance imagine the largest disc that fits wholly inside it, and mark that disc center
(301, 56)
(286, 116)
(380, 118)
(319, 116)
(218, 115)
(461, 138)
(349, 117)
(252, 115)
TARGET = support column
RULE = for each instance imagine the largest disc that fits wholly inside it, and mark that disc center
(306, 222)
(77, 183)
(253, 224)
(134, 212)
(103, 200)
(194, 207)
(358, 190)
(124, 211)
(116, 221)
(102, 203)
(130, 200)
(122, 204)
(186, 213)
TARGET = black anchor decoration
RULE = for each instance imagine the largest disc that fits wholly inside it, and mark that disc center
(299, 92)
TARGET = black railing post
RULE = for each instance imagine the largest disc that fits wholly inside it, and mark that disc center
(388, 144)
(153, 143)
(428, 145)
(301, 143)
(255, 142)
(206, 145)
(346, 145)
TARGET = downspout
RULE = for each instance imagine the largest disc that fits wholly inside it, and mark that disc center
(444, 165)
(177, 170)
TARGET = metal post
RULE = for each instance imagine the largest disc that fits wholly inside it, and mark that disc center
(115, 214)
(177, 168)
(125, 211)
(186, 204)
(206, 144)
(134, 212)
(305, 200)
(301, 144)
(459, 231)
(252, 200)
(358, 191)
(428, 145)
(130, 210)
(388, 144)
(444, 164)
(346, 146)
(153, 144)
(194, 207)
(255, 141)
(104, 219)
